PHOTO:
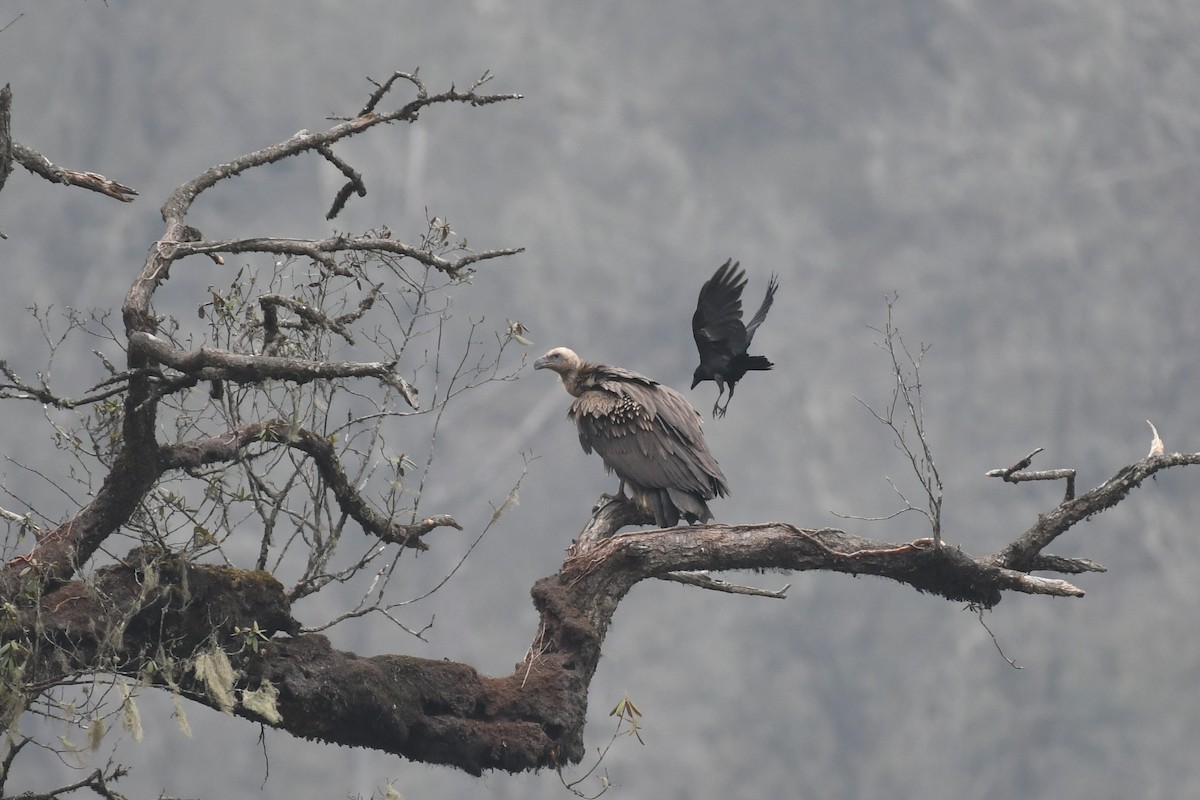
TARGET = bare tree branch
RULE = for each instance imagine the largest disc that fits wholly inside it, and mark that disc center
(6, 142)
(38, 164)
(17, 389)
(208, 364)
(136, 309)
(1017, 473)
(309, 316)
(97, 780)
(351, 501)
(703, 580)
(322, 251)
(1024, 552)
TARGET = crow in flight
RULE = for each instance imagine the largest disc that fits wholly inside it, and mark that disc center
(721, 337)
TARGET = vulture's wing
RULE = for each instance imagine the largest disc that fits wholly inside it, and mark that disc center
(717, 324)
(649, 435)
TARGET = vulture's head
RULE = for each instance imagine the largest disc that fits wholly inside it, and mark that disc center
(561, 359)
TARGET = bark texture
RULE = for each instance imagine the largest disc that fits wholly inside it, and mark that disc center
(156, 607)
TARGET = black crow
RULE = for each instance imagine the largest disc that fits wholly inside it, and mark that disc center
(721, 337)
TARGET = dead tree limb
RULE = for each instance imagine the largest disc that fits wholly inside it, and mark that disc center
(38, 164)
(6, 142)
(446, 713)
(1023, 553)
(1017, 473)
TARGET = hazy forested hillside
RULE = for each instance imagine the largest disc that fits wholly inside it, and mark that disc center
(1024, 174)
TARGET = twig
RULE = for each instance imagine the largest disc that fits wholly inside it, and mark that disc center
(17, 389)
(14, 749)
(605, 783)
(995, 642)
(13, 22)
(907, 391)
(537, 648)
(385, 87)
(22, 519)
(1156, 444)
(1014, 474)
(703, 580)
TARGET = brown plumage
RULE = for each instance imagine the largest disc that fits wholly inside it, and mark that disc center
(647, 433)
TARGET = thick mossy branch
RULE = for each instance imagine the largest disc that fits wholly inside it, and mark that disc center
(150, 605)
(427, 710)
(446, 713)
(152, 616)
(943, 571)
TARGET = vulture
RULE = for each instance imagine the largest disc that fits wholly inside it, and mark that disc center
(721, 337)
(647, 433)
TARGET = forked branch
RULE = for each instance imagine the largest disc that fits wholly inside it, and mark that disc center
(231, 446)
(1025, 553)
(1019, 472)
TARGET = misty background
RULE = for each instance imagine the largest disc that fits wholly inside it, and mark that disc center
(1024, 175)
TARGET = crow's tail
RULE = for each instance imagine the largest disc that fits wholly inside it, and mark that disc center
(756, 362)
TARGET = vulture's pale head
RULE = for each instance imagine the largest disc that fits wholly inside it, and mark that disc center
(562, 360)
(569, 367)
